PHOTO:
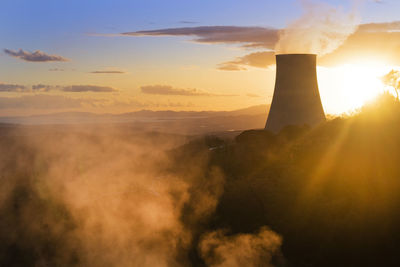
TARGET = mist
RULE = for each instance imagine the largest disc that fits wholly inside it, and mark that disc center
(101, 196)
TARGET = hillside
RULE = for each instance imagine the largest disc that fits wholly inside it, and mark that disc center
(182, 122)
(332, 193)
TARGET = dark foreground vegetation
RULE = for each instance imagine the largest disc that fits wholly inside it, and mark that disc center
(328, 196)
(332, 193)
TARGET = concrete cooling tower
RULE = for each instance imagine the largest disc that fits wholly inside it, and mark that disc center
(296, 98)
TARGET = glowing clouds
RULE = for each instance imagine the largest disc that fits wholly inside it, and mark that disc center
(169, 90)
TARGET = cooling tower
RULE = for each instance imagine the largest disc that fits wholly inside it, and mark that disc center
(296, 99)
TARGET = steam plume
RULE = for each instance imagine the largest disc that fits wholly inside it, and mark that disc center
(320, 30)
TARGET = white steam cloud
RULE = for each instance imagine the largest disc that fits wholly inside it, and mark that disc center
(320, 30)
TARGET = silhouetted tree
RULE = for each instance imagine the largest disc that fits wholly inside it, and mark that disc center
(392, 79)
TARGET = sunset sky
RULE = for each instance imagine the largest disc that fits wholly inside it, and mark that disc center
(119, 56)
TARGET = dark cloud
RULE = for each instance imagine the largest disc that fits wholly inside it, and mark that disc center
(107, 72)
(4, 87)
(37, 56)
(88, 88)
(249, 36)
(42, 88)
(169, 90)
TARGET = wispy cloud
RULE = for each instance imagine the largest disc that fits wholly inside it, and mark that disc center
(248, 36)
(42, 88)
(257, 59)
(380, 27)
(56, 69)
(187, 22)
(169, 90)
(107, 72)
(4, 87)
(231, 66)
(47, 88)
(88, 88)
(36, 56)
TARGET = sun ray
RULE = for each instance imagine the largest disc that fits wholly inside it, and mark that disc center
(348, 87)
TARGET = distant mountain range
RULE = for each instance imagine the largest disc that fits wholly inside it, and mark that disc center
(165, 121)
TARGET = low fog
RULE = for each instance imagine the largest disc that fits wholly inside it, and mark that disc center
(104, 196)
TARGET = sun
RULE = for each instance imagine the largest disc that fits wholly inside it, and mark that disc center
(348, 87)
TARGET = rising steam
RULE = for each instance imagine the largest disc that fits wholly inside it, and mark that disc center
(220, 250)
(107, 197)
(320, 30)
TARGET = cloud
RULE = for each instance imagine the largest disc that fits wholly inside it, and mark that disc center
(37, 56)
(4, 87)
(372, 41)
(249, 36)
(169, 90)
(378, 40)
(107, 72)
(187, 22)
(88, 88)
(257, 59)
(231, 66)
(42, 88)
(46, 88)
(393, 26)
